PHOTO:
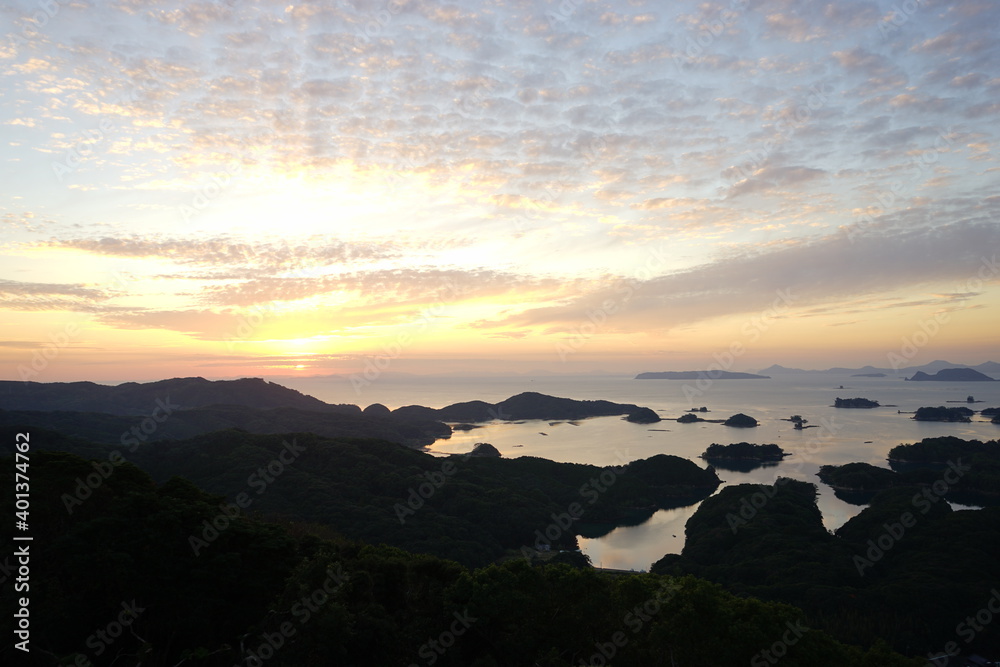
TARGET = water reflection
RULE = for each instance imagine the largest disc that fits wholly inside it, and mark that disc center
(638, 547)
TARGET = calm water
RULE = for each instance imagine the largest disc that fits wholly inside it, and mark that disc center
(841, 438)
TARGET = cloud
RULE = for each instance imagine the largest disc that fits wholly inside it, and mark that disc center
(16, 295)
(226, 252)
(824, 270)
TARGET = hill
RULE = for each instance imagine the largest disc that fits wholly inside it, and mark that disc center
(134, 398)
(129, 431)
(527, 405)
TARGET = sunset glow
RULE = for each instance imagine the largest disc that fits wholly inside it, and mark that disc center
(234, 188)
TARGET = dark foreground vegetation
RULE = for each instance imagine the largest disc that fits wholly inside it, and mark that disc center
(251, 546)
(907, 569)
(466, 508)
(117, 582)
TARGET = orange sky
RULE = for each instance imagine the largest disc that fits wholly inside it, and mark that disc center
(272, 188)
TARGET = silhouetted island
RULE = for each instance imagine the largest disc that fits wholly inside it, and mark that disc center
(943, 414)
(744, 451)
(484, 449)
(741, 420)
(858, 477)
(700, 375)
(952, 375)
(527, 405)
(643, 416)
(854, 403)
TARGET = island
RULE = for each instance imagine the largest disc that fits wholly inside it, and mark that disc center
(869, 375)
(943, 450)
(741, 420)
(643, 416)
(483, 449)
(943, 414)
(527, 405)
(857, 477)
(700, 375)
(951, 375)
(854, 403)
(689, 418)
(743, 451)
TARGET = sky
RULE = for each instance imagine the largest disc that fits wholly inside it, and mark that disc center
(241, 188)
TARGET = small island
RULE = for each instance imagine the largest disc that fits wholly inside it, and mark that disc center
(869, 375)
(855, 403)
(741, 420)
(743, 451)
(700, 375)
(643, 416)
(951, 375)
(942, 450)
(943, 414)
(484, 450)
(689, 418)
(857, 477)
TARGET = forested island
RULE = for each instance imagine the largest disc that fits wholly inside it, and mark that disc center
(742, 456)
(943, 414)
(744, 451)
(966, 471)
(875, 579)
(854, 403)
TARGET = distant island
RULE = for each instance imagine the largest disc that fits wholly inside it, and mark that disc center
(741, 420)
(934, 366)
(744, 451)
(952, 375)
(527, 405)
(943, 414)
(869, 375)
(854, 403)
(643, 416)
(700, 375)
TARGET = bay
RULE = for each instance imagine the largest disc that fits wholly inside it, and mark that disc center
(841, 436)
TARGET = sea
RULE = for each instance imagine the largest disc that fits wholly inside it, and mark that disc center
(838, 435)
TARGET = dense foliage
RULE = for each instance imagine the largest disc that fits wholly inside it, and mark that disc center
(943, 414)
(907, 569)
(468, 509)
(744, 450)
(293, 595)
(741, 420)
(854, 403)
(858, 477)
